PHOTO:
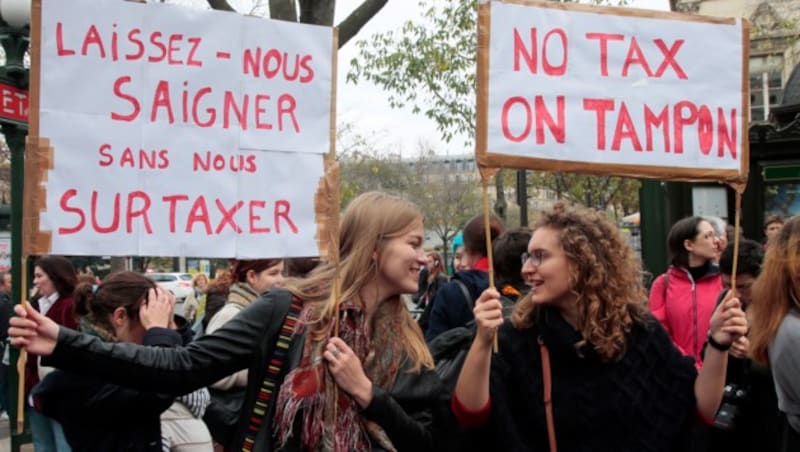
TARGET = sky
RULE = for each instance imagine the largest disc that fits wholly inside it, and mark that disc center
(365, 105)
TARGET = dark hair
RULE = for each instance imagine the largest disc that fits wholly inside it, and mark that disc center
(682, 230)
(475, 233)
(121, 289)
(300, 267)
(772, 219)
(240, 268)
(751, 254)
(506, 250)
(87, 278)
(61, 273)
(221, 284)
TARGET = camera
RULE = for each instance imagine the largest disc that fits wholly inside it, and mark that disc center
(733, 399)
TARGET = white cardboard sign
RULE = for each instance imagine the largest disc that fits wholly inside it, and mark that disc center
(182, 132)
(610, 91)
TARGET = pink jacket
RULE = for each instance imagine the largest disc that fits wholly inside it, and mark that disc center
(685, 311)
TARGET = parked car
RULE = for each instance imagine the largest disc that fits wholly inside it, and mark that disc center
(180, 284)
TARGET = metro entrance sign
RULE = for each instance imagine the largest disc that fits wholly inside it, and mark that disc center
(13, 104)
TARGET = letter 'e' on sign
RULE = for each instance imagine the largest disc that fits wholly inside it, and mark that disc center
(163, 130)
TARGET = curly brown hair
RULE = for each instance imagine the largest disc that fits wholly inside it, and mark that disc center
(605, 274)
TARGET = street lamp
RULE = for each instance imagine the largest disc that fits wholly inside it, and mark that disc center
(14, 37)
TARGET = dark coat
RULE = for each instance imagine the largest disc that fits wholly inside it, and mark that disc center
(643, 402)
(407, 413)
(450, 308)
(99, 416)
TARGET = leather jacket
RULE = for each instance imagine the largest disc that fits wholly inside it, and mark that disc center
(410, 413)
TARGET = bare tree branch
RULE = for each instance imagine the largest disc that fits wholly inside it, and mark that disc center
(349, 27)
(221, 5)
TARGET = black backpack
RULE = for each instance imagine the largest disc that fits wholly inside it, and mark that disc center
(450, 348)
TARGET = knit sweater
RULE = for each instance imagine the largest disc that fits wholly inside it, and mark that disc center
(644, 402)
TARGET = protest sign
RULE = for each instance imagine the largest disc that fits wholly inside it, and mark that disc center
(164, 130)
(617, 91)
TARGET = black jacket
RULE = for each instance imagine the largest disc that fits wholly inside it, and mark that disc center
(642, 402)
(406, 413)
(450, 309)
(100, 416)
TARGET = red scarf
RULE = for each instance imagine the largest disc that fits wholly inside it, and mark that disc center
(308, 388)
(481, 264)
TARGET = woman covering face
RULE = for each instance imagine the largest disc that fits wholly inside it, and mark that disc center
(126, 307)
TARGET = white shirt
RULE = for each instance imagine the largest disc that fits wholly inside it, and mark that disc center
(45, 303)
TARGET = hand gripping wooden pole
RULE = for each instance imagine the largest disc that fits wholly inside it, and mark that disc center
(488, 229)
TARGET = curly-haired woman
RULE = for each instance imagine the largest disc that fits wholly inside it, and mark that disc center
(618, 383)
(775, 316)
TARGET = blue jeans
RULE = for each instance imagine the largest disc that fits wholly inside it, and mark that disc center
(48, 436)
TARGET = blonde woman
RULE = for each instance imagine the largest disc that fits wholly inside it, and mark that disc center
(377, 372)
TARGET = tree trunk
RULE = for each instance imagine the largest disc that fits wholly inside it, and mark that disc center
(318, 12)
(221, 5)
(283, 10)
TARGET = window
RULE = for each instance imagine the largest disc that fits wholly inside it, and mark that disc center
(772, 67)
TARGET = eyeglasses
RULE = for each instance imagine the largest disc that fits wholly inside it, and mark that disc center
(534, 258)
(726, 284)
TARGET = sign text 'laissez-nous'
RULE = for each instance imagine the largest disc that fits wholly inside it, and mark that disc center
(175, 131)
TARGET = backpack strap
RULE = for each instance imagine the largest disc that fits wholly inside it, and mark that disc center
(548, 394)
(465, 292)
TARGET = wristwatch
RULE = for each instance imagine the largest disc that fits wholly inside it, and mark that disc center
(717, 345)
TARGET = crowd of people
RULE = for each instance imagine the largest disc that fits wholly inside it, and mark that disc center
(566, 351)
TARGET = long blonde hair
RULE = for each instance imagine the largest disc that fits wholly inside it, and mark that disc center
(776, 290)
(604, 273)
(368, 222)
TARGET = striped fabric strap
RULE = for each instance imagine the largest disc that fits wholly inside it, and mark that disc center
(274, 367)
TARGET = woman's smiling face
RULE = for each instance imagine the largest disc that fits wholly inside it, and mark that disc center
(547, 270)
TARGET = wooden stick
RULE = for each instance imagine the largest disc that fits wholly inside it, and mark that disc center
(22, 361)
(737, 217)
(488, 228)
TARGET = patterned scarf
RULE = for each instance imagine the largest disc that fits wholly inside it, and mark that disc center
(309, 389)
(94, 329)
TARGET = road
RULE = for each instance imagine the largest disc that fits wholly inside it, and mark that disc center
(5, 438)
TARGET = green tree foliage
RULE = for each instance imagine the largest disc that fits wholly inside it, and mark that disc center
(447, 198)
(602, 192)
(446, 194)
(364, 168)
(427, 65)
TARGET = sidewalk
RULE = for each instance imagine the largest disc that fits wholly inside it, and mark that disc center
(5, 438)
